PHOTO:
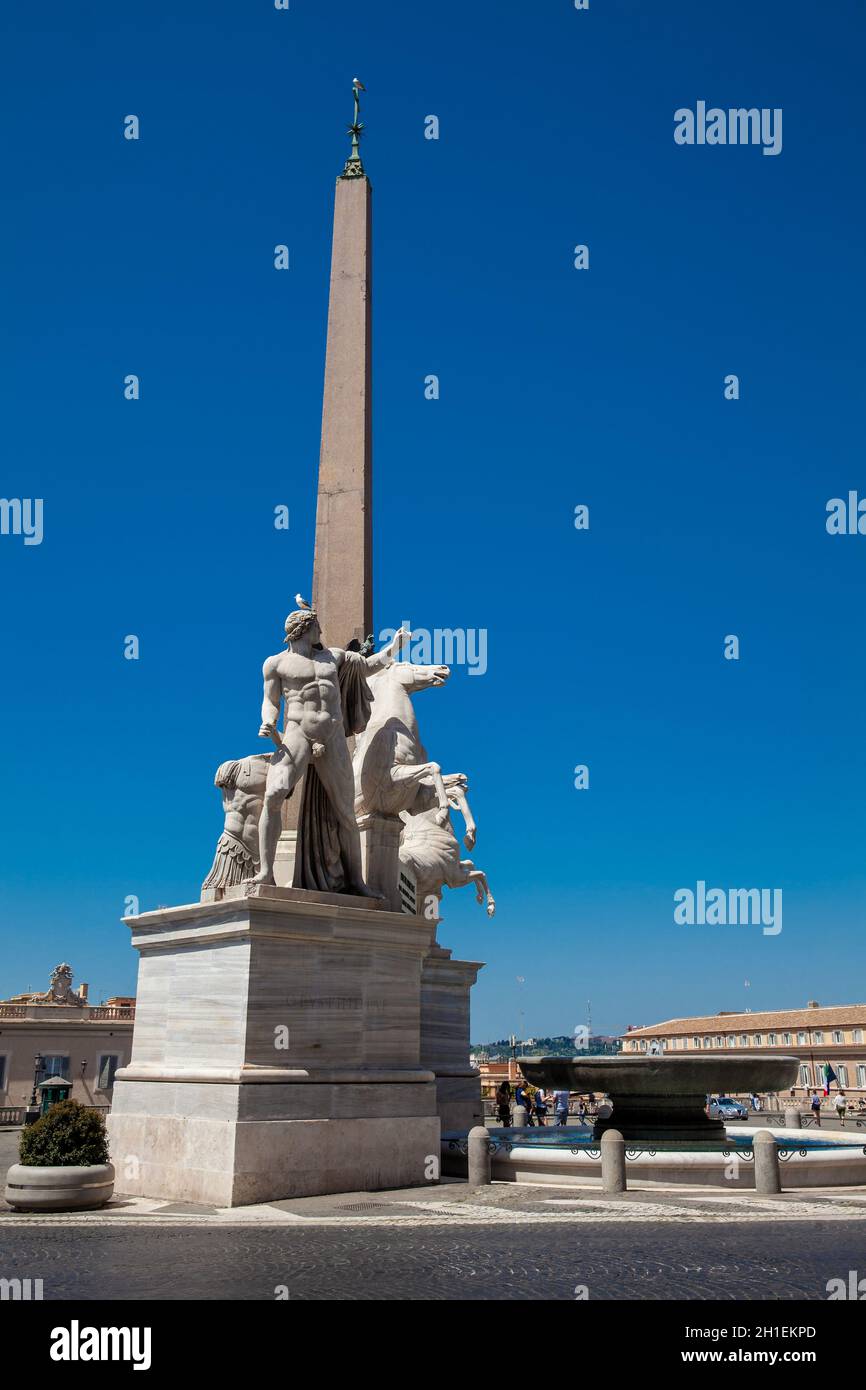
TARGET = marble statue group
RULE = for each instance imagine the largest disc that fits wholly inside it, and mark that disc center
(331, 699)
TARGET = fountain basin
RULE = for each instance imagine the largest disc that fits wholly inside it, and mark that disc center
(572, 1157)
(658, 1099)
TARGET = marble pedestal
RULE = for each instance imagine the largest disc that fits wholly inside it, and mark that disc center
(445, 986)
(380, 844)
(276, 1052)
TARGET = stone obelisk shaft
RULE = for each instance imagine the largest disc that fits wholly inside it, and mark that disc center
(343, 561)
(343, 564)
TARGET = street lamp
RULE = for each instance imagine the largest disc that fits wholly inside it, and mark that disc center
(32, 1111)
(38, 1062)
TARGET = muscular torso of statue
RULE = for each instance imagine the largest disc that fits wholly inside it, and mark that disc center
(305, 680)
(311, 692)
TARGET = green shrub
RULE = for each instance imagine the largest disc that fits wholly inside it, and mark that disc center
(69, 1136)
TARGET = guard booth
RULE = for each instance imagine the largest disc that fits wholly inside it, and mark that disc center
(55, 1089)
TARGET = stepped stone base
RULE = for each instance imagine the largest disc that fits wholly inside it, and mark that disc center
(276, 1051)
(195, 1156)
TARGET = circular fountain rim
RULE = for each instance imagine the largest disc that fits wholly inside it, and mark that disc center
(663, 1074)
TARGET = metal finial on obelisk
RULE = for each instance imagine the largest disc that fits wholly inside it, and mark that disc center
(354, 169)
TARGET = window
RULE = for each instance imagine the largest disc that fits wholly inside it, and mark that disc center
(706, 1042)
(801, 1039)
(720, 1042)
(696, 1042)
(786, 1039)
(842, 1077)
(805, 1076)
(861, 1077)
(744, 1040)
(858, 1035)
(838, 1036)
(759, 1039)
(107, 1065)
(819, 1036)
(772, 1039)
(2, 1073)
(685, 1043)
(56, 1065)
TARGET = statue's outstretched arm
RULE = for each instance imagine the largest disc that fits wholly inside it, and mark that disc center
(383, 658)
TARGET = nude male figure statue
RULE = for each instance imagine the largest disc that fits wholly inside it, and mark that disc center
(306, 678)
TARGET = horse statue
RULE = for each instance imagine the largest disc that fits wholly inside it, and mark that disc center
(390, 762)
(429, 848)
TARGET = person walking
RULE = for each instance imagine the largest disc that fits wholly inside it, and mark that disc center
(815, 1107)
(541, 1107)
(560, 1107)
(503, 1104)
(841, 1105)
(524, 1099)
(581, 1111)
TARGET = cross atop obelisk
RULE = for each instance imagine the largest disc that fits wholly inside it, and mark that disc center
(343, 569)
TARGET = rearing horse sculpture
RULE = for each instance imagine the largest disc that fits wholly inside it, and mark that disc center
(390, 761)
(431, 852)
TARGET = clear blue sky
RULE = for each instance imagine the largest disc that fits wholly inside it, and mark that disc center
(558, 387)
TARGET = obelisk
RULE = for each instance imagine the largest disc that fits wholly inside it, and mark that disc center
(343, 558)
(343, 565)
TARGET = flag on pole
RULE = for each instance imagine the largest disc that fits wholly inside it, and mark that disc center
(829, 1075)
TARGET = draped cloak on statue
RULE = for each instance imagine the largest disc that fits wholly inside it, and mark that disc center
(318, 858)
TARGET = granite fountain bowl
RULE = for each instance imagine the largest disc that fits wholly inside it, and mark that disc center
(662, 1098)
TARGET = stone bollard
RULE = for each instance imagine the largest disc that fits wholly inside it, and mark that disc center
(519, 1117)
(613, 1161)
(479, 1155)
(767, 1177)
(793, 1119)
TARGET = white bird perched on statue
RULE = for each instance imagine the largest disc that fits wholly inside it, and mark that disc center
(301, 602)
(357, 83)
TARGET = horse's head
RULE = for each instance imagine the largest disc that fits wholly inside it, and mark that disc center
(414, 678)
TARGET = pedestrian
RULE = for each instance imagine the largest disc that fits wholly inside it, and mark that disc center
(503, 1104)
(560, 1106)
(530, 1116)
(581, 1111)
(523, 1098)
(541, 1107)
(815, 1107)
(841, 1106)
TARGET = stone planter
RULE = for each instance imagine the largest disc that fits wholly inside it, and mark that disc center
(59, 1189)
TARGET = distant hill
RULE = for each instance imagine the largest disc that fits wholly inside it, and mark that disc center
(561, 1045)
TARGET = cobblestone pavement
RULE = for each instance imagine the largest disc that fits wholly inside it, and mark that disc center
(507, 1241)
(608, 1260)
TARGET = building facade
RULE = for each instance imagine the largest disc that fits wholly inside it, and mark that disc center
(59, 1033)
(814, 1035)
